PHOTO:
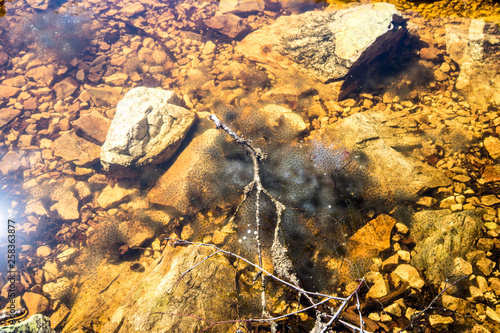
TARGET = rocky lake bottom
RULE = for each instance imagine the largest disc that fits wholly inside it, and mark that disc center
(249, 166)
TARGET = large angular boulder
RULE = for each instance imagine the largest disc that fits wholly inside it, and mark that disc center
(376, 169)
(148, 127)
(326, 45)
(131, 301)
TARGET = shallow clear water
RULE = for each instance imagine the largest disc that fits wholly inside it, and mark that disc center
(367, 147)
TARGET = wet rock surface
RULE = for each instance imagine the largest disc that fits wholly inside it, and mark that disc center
(323, 42)
(363, 194)
(442, 237)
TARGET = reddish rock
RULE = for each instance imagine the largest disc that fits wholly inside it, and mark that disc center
(7, 92)
(188, 172)
(65, 88)
(11, 162)
(132, 9)
(73, 148)
(429, 53)
(17, 81)
(241, 7)
(227, 24)
(6, 115)
(93, 127)
(43, 75)
(30, 104)
(104, 96)
(491, 173)
(4, 58)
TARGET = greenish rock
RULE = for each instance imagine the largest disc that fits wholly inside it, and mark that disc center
(441, 237)
(34, 324)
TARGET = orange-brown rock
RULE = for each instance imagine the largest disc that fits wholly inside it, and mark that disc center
(65, 88)
(73, 148)
(373, 238)
(7, 115)
(7, 92)
(93, 127)
(189, 170)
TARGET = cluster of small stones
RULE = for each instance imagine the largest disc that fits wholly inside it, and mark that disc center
(48, 97)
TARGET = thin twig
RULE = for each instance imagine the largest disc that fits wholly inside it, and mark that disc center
(299, 289)
(417, 315)
(193, 267)
(213, 323)
(341, 308)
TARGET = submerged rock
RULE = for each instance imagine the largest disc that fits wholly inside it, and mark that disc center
(378, 170)
(187, 175)
(92, 127)
(37, 323)
(473, 45)
(73, 148)
(148, 127)
(7, 115)
(238, 7)
(104, 96)
(130, 301)
(327, 45)
(441, 237)
(227, 24)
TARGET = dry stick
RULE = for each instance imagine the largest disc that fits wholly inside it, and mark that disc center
(314, 305)
(282, 262)
(257, 155)
(312, 293)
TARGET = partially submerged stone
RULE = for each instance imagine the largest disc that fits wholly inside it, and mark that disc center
(326, 45)
(147, 129)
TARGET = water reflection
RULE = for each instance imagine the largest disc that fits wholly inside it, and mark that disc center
(373, 135)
